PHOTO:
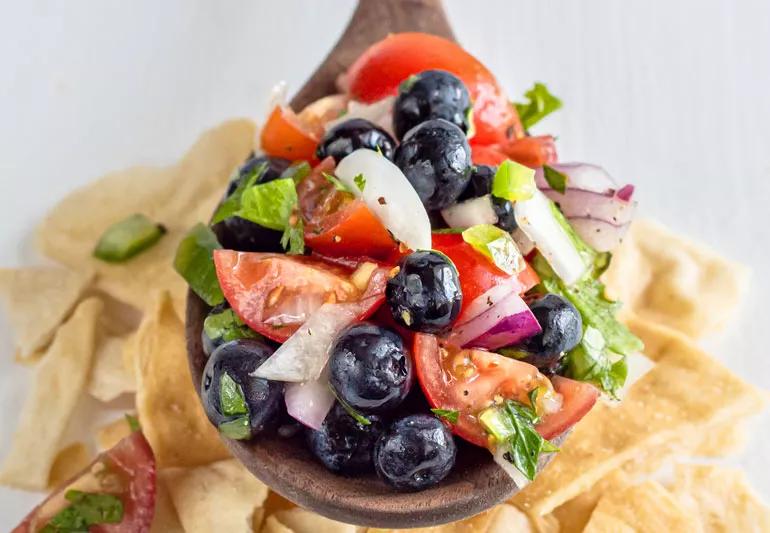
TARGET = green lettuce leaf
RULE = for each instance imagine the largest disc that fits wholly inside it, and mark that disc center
(227, 326)
(591, 361)
(540, 104)
(194, 262)
(232, 203)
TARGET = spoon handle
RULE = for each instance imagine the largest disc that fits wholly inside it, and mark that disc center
(371, 21)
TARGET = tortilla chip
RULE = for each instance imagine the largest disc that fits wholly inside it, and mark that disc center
(37, 300)
(500, 519)
(299, 520)
(686, 394)
(59, 381)
(575, 514)
(109, 377)
(644, 508)
(665, 278)
(166, 519)
(170, 411)
(70, 461)
(109, 435)
(728, 439)
(722, 497)
(221, 496)
(176, 196)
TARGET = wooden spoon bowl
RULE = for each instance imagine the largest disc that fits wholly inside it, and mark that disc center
(476, 483)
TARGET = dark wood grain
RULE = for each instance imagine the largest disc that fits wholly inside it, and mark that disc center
(476, 483)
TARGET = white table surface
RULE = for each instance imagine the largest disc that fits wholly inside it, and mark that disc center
(673, 96)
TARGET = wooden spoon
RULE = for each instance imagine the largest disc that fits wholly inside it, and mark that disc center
(476, 483)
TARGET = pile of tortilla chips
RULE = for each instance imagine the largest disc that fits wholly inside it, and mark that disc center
(106, 339)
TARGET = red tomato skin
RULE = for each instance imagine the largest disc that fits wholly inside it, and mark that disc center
(578, 399)
(378, 72)
(284, 135)
(134, 460)
(487, 155)
(533, 152)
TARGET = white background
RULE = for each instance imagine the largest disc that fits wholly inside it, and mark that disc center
(673, 96)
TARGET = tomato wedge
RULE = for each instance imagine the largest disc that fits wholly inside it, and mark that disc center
(338, 224)
(130, 475)
(578, 398)
(378, 72)
(285, 135)
(487, 155)
(274, 293)
(477, 273)
(533, 152)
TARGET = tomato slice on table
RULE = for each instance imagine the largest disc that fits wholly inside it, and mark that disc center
(127, 471)
(337, 223)
(285, 135)
(477, 273)
(274, 293)
(378, 72)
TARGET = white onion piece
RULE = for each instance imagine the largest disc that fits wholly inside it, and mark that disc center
(583, 176)
(508, 322)
(309, 402)
(579, 203)
(518, 478)
(598, 234)
(536, 220)
(304, 355)
(389, 195)
(470, 213)
(523, 243)
(380, 113)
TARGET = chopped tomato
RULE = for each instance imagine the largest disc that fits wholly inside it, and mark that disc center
(468, 381)
(274, 293)
(477, 273)
(531, 151)
(337, 223)
(285, 135)
(378, 72)
(487, 155)
(126, 471)
(578, 398)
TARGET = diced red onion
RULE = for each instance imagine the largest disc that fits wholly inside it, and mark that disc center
(509, 321)
(488, 299)
(625, 193)
(470, 213)
(584, 176)
(578, 203)
(309, 402)
(602, 236)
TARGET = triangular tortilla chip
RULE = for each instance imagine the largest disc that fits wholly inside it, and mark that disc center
(176, 196)
(666, 278)
(169, 409)
(575, 514)
(69, 461)
(166, 519)
(686, 394)
(500, 519)
(722, 497)
(109, 377)
(299, 520)
(644, 508)
(221, 496)
(37, 300)
(110, 434)
(59, 381)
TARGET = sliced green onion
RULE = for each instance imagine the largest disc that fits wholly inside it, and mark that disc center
(513, 182)
(127, 238)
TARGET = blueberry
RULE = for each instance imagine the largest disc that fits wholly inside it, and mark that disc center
(347, 137)
(370, 368)
(223, 325)
(240, 405)
(428, 95)
(425, 294)
(343, 445)
(415, 453)
(436, 159)
(236, 233)
(480, 184)
(562, 331)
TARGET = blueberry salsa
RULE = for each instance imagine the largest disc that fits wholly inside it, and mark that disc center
(411, 238)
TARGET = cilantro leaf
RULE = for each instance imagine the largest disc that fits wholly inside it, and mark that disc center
(194, 262)
(297, 171)
(358, 417)
(334, 180)
(236, 429)
(495, 244)
(450, 415)
(232, 203)
(85, 510)
(227, 326)
(591, 361)
(127, 238)
(541, 103)
(269, 204)
(513, 181)
(293, 238)
(231, 399)
(556, 180)
(360, 181)
(133, 422)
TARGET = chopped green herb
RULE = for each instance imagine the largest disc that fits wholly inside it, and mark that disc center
(334, 180)
(556, 180)
(360, 180)
(448, 231)
(195, 263)
(231, 399)
(227, 326)
(513, 181)
(133, 422)
(269, 204)
(541, 104)
(513, 427)
(297, 171)
(591, 361)
(232, 203)
(408, 83)
(293, 238)
(236, 429)
(497, 245)
(471, 124)
(127, 238)
(450, 415)
(358, 417)
(85, 510)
